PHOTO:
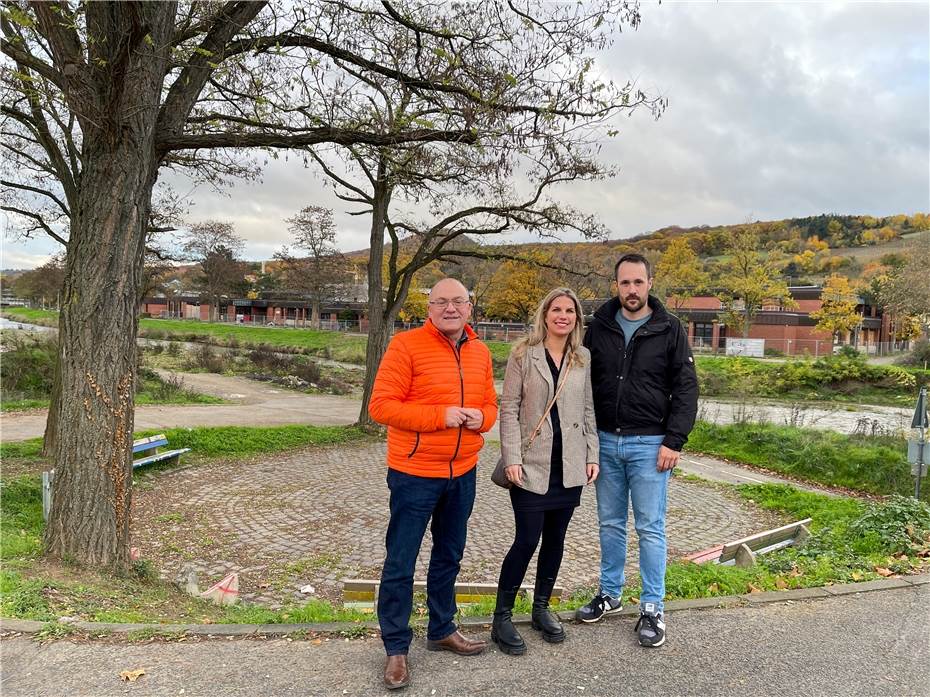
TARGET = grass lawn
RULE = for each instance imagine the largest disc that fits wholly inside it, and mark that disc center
(870, 464)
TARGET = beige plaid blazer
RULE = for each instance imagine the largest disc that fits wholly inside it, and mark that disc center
(528, 387)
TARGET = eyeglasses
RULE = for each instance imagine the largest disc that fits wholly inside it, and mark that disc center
(457, 302)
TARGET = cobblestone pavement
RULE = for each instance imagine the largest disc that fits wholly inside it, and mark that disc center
(319, 515)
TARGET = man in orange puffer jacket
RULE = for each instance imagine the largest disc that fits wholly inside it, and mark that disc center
(435, 393)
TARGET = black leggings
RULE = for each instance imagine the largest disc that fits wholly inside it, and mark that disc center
(531, 525)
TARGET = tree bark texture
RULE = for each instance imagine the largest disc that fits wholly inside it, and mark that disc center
(378, 330)
(51, 422)
(89, 519)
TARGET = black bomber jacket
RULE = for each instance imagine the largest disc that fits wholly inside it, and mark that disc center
(645, 384)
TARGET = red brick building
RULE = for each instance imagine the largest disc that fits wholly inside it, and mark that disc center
(790, 331)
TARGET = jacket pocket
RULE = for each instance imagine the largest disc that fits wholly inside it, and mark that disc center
(416, 444)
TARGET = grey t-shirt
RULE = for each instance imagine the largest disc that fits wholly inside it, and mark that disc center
(629, 326)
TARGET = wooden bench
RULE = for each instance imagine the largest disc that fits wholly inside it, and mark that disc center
(151, 445)
(147, 447)
(743, 552)
(363, 593)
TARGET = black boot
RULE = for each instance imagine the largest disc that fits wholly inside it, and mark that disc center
(543, 619)
(503, 633)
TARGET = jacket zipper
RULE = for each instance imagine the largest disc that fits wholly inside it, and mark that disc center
(625, 370)
(458, 441)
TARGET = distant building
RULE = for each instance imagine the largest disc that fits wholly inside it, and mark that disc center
(791, 332)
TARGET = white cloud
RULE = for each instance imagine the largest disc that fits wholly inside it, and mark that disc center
(776, 110)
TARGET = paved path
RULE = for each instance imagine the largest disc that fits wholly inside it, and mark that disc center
(259, 404)
(868, 644)
(318, 515)
(256, 404)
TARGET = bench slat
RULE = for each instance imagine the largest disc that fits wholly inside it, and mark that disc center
(167, 455)
(149, 445)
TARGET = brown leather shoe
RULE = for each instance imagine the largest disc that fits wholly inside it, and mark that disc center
(456, 643)
(396, 674)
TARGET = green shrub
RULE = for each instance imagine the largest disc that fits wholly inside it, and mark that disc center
(901, 523)
(919, 355)
(28, 366)
(849, 352)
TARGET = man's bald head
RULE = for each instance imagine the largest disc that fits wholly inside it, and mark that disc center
(449, 307)
(448, 288)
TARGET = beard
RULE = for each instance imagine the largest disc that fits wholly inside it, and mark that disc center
(632, 304)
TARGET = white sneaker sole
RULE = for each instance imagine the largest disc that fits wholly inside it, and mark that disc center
(652, 646)
(606, 613)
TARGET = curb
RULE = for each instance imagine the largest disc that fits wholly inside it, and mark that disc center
(278, 630)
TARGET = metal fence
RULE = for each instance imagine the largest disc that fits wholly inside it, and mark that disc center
(815, 348)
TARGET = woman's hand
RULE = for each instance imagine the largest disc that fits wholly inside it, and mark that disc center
(593, 469)
(514, 474)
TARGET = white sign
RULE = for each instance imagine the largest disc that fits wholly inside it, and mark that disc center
(746, 347)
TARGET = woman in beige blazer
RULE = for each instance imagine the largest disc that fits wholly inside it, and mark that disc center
(548, 474)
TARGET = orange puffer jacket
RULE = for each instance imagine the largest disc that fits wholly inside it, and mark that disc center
(420, 376)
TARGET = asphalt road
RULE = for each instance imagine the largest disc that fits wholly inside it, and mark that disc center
(864, 644)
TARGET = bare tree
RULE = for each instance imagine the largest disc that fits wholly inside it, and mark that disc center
(214, 245)
(322, 273)
(131, 88)
(423, 198)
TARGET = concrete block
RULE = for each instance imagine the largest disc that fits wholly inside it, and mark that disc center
(866, 586)
(703, 603)
(224, 629)
(781, 596)
(24, 626)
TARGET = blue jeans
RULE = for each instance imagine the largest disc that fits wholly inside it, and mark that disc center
(414, 501)
(628, 473)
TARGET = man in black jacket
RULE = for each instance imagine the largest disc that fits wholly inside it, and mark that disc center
(645, 399)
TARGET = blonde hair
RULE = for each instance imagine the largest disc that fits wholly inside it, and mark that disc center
(537, 332)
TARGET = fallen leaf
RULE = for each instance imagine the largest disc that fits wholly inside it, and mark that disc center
(781, 583)
(132, 675)
(855, 576)
(882, 571)
(713, 588)
(795, 572)
(754, 589)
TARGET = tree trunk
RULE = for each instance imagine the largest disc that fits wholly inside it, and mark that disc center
(315, 314)
(51, 421)
(378, 331)
(89, 518)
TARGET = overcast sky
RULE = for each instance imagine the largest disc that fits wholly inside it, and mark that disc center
(776, 110)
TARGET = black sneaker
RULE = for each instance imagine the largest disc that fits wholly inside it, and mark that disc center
(600, 606)
(650, 627)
